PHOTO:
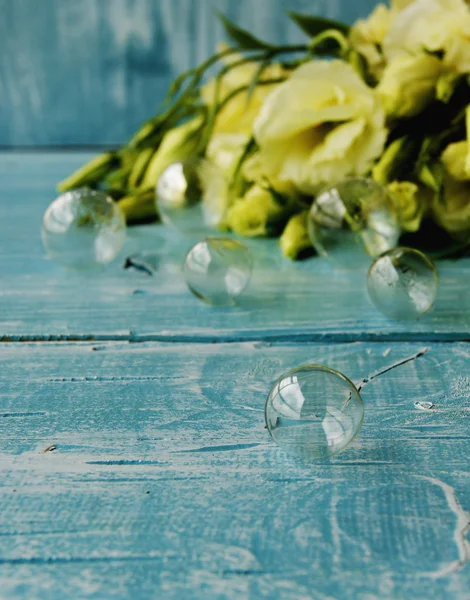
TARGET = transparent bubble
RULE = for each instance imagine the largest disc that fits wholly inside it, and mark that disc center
(353, 219)
(83, 229)
(217, 270)
(403, 283)
(191, 195)
(314, 412)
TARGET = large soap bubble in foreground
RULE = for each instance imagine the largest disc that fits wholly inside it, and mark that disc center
(314, 412)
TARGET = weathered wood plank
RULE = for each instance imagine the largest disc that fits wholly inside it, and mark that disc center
(309, 300)
(164, 482)
(90, 71)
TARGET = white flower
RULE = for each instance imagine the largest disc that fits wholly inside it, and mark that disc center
(321, 125)
(408, 84)
(433, 26)
(367, 35)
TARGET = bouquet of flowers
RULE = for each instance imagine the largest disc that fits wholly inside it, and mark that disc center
(387, 98)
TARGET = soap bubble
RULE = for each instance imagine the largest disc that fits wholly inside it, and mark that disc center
(403, 283)
(191, 195)
(314, 412)
(217, 270)
(353, 219)
(83, 229)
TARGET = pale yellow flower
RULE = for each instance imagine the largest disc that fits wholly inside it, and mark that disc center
(258, 213)
(452, 208)
(239, 113)
(223, 153)
(408, 84)
(367, 35)
(456, 159)
(321, 125)
(254, 171)
(225, 150)
(434, 26)
(452, 211)
(411, 201)
(400, 4)
(373, 29)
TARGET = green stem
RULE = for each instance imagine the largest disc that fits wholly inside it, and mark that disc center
(211, 121)
(330, 34)
(243, 88)
(216, 104)
(256, 79)
(151, 134)
(162, 121)
(249, 149)
(275, 50)
(176, 85)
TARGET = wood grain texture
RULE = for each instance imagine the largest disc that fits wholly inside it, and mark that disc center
(143, 470)
(302, 301)
(164, 483)
(90, 71)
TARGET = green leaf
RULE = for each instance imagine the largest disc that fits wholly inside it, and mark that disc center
(139, 167)
(359, 64)
(139, 206)
(397, 160)
(432, 175)
(278, 198)
(92, 173)
(312, 26)
(446, 86)
(428, 169)
(430, 151)
(244, 39)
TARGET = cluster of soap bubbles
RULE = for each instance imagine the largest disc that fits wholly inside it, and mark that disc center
(85, 229)
(315, 412)
(311, 411)
(358, 218)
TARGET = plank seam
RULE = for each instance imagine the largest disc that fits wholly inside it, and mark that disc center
(243, 337)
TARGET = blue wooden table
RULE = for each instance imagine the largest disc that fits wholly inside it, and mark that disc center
(134, 459)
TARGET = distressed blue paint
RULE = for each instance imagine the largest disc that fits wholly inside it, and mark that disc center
(164, 482)
(90, 71)
(142, 499)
